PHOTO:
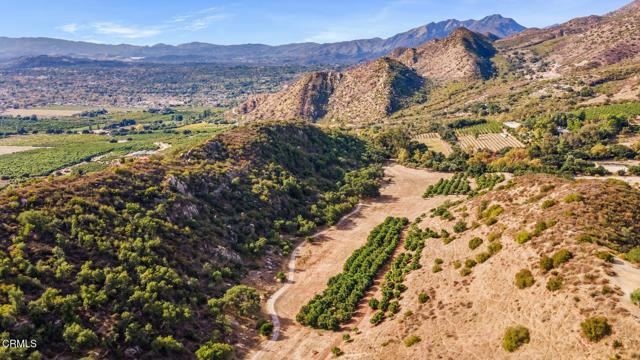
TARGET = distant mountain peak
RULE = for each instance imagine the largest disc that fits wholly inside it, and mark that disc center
(344, 52)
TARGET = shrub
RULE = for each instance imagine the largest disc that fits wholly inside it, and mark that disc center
(470, 263)
(595, 328)
(635, 297)
(79, 338)
(436, 268)
(215, 351)
(394, 307)
(166, 345)
(374, 303)
(606, 256)
(457, 264)
(522, 237)
(548, 203)
(377, 318)
(524, 279)
(423, 297)
(633, 255)
(494, 235)
(515, 337)
(554, 283)
(561, 257)
(475, 243)
(575, 197)
(280, 276)
(547, 188)
(243, 300)
(494, 247)
(482, 257)
(460, 227)
(412, 340)
(438, 261)
(546, 263)
(336, 351)
(266, 329)
(465, 271)
(347, 338)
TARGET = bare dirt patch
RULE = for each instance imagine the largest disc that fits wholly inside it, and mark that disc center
(42, 113)
(4, 150)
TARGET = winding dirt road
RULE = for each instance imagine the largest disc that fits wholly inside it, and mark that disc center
(313, 263)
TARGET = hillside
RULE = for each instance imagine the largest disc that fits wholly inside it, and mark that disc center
(141, 260)
(377, 89)
(586, 42)
(463, 55)
(565, 238)
(467, 312)
(345, 52)
(366, 92)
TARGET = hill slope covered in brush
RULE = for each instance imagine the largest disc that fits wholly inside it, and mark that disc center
(140, 260)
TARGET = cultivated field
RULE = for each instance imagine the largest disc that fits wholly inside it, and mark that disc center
(434, 142)
(493, 142)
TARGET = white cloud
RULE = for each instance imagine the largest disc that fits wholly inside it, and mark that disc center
(70, 28)
(129, 32)
(204, 22)
(194, 21)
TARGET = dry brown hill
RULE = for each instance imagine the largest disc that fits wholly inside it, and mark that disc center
(376, 89)
(464, 55)
(586, 42)
(466, 316)
(367, 92)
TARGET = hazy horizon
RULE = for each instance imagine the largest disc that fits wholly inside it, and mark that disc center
(273, 23)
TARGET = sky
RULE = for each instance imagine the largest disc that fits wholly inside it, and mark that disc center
(270, 22)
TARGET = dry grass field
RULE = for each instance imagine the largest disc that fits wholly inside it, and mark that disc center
(434, 142)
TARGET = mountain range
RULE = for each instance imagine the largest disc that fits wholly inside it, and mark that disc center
(582, 47)
(345, 52)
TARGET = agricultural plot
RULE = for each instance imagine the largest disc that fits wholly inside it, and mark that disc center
(457, 185)
(630, 110)
(339, 300)
(435, 143)
(492, 142)
(486, 128)
(57, 152)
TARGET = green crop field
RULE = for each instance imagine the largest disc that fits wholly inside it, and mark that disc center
(630, 109)
(489, 127)
(56, 152)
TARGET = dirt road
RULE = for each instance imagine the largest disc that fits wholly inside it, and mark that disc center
(314, 263)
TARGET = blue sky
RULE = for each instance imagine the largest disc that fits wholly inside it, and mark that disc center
(268, 22)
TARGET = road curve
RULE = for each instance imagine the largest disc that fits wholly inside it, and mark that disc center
(271, 302)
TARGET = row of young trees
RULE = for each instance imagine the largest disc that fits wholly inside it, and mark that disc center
(336, 304)
(488, 181)
(393, 285)
(457, 185)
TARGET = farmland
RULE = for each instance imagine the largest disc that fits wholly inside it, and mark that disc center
(434, 142)
(48, 153)
(493, 142)
(486, 128)
(629, 109)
